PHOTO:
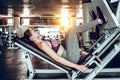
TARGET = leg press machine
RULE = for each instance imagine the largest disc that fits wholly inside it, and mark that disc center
(100, 57)
(94, 58)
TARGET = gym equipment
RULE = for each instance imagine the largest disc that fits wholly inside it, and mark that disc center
(97, 60)
(104, 6)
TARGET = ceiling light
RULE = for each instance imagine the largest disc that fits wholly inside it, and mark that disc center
(64, 0)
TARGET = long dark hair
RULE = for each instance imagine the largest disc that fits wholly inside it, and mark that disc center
(27, 34)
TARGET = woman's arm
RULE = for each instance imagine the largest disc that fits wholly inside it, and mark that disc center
(47, 49)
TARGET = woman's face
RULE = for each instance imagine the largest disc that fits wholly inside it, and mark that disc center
(35, 34)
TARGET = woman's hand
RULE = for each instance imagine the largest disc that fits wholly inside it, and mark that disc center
(82, 68)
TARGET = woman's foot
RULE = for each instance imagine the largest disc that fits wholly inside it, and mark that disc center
(100, 21)
(101, 15)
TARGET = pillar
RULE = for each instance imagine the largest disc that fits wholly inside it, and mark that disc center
(16, 22)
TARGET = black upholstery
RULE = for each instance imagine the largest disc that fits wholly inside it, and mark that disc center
(27, 44)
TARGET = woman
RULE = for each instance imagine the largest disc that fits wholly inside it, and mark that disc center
(69, 56)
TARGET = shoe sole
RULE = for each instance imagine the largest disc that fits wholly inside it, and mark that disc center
(93, 15)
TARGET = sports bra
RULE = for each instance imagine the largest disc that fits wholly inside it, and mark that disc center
(55, 45)
(56, 48)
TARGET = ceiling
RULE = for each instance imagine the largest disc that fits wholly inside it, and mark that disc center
(38, 7)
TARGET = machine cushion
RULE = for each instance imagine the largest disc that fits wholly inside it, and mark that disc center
(27, 44)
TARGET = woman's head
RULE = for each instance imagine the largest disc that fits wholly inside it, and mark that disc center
(29, 33)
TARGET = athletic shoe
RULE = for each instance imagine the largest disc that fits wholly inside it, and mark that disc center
(93, 15)
(101, 15)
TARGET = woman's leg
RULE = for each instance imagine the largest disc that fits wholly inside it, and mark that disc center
(72, 45)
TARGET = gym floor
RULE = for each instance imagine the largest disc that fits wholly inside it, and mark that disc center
(13, 65)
